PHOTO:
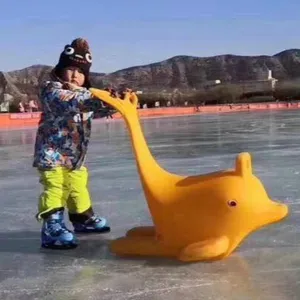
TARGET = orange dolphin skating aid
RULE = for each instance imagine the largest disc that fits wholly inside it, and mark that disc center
(196, 218)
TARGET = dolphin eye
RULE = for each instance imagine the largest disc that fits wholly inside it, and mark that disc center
(232, 203)
(69, 51)
(88, 57)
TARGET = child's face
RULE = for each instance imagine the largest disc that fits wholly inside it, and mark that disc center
(74, 76)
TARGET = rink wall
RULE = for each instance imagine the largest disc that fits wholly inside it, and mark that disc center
(26, 120)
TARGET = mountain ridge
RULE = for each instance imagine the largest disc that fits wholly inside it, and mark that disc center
(183, 72)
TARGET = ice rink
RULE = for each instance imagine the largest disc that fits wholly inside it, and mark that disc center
(266, 266)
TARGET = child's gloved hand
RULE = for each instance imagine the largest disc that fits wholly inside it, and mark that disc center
(120, 93)
(113, 92)
(123, 92)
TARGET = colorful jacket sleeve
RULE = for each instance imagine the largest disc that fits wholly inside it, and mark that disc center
(52, 91)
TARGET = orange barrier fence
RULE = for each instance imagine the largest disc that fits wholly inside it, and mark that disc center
(25, 120)
(19, 120)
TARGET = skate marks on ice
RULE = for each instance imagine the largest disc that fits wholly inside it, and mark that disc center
(239, 277)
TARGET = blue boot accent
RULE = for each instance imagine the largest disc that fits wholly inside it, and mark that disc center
(55, 235)
(93, 225)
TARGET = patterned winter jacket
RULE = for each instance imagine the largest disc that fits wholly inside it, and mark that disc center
(65, 127)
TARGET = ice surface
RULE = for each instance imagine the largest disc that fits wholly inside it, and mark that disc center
(266, 266)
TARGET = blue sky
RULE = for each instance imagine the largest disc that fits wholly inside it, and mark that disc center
(125, 33)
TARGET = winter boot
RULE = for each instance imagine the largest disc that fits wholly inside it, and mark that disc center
(88, 222)
(55, 235)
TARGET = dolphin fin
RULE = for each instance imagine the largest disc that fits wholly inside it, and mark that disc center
(141, 231)
(205, 250)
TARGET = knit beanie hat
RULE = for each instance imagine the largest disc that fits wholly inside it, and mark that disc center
(77, 54)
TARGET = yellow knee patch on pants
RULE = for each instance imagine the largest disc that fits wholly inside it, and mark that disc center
(63, 187)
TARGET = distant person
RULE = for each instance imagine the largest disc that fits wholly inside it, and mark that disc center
(21, 107)
(109, 116)
(61, 145)
(32, 106)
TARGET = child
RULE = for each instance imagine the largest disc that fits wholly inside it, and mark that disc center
(61, 145)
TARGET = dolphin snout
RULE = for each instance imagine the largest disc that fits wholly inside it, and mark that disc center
(277, 211)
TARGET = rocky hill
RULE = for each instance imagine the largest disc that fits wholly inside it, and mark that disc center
(185, 72)
(179, 72)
